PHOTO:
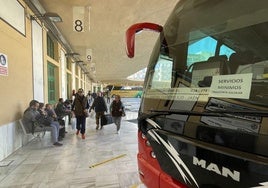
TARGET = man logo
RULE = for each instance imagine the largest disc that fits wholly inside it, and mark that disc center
(223, 171)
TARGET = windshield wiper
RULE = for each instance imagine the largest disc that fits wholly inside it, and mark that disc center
(153, 114)
(215, 113)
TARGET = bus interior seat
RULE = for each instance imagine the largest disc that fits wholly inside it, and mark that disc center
(202, 72)
(239, 59)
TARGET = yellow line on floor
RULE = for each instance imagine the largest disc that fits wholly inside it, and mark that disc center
(100, 163)
(136, 185)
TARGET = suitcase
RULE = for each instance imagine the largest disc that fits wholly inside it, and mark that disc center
(106, 119)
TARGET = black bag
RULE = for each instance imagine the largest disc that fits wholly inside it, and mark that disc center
(44, 120)
(106, 119)
(62, 132)
(62, 128)
(61, 122)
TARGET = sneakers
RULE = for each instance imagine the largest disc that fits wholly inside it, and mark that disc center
(57, 144)
(117, 132)
(83, 136)
(77, 132)
(97, 127)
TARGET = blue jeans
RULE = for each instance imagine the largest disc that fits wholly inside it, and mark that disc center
(55, 131)
(117, 122)
(81, 124)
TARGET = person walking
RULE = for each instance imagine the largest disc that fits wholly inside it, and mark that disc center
(89, 97)
(80, 110)
(108, 93)
(117, 110)
(100, 107)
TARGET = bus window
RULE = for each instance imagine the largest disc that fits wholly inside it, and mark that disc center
(201, 50)
(162, 73)
(225, 50)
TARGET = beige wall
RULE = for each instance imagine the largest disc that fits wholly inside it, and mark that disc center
(16, 88)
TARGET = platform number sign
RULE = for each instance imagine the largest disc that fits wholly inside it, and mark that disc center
(80, 15)
(78, 25)
(89, 58)
(89, 54)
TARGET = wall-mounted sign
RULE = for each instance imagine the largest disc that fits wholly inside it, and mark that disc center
(81, 19)
(89, 55)
(3, 65)
(78, 19)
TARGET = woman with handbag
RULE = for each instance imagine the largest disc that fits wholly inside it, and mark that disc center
(117, 110)
(80, 110)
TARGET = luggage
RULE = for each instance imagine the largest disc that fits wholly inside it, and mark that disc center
(62, 128)
(106, 119)
(62, 132)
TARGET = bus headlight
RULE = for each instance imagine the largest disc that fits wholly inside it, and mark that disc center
(143, 136)
(148, 143)
(153, 155)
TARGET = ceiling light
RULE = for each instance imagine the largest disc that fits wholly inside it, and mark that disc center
(79, 61)
(72, 54)
(54, 17)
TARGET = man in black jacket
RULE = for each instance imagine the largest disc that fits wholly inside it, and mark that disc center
(100, 107)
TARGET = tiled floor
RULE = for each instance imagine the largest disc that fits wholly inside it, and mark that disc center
(104, 159)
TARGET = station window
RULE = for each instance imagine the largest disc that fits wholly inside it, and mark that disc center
(51, 76)
(50, 47)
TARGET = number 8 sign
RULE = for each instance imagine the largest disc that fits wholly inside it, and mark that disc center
(78, 25)
(79, 13)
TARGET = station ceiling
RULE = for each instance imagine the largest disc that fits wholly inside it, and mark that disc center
(101, 34)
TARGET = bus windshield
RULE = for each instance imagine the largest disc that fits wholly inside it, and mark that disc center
(203, 115)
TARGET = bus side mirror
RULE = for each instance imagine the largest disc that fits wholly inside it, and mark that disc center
(132, 30)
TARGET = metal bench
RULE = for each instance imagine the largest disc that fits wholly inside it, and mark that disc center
(36, 130)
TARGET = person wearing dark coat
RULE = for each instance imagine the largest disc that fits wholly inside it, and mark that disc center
(99, 105)
(117, 110)
(80, 110)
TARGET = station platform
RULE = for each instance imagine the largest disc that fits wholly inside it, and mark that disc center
(103, 159)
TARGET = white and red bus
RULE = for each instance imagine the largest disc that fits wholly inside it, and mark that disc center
(203, 116)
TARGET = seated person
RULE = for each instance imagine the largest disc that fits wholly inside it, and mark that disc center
(68, 106)
(32, 115)
(51, 113)
(61, 109)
